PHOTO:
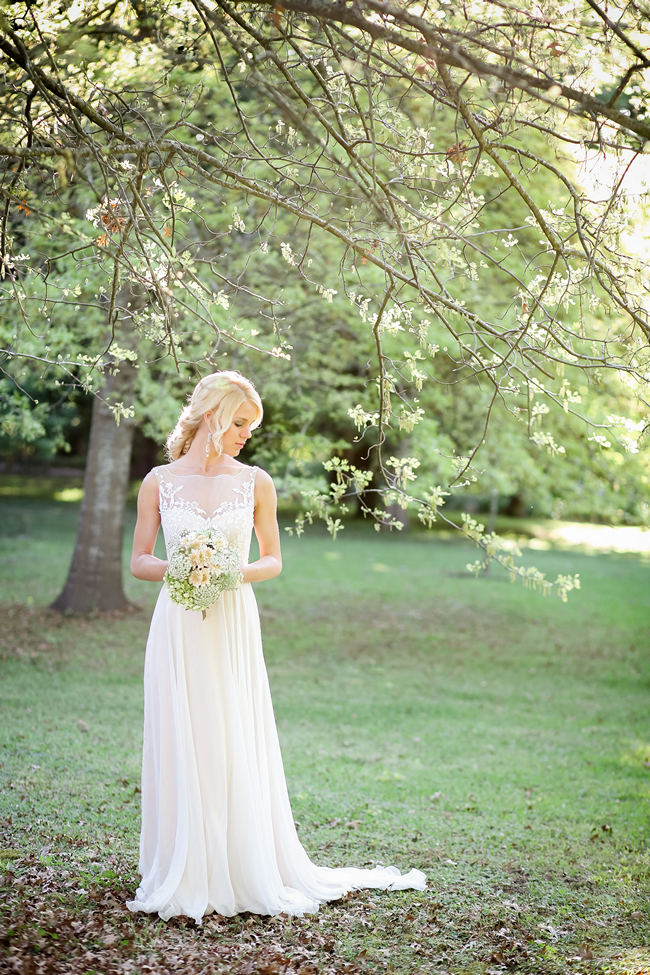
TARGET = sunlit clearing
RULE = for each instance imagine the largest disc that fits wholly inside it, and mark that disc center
(594, 538)
(69, 494)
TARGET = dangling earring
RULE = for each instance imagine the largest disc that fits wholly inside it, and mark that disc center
(208, 442)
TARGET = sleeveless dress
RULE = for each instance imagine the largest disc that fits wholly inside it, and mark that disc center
(217, 830)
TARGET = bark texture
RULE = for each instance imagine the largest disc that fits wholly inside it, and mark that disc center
(95, 576)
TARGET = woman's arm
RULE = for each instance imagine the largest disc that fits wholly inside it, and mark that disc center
(144, 564)
(269, 563)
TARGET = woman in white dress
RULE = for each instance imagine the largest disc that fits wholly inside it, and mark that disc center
(217, 830)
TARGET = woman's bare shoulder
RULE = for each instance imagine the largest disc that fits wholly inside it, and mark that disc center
(263, 478)
(149, 486)
(265, 492)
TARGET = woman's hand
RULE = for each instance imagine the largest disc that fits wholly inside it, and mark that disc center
(269, 563)
(144, 564)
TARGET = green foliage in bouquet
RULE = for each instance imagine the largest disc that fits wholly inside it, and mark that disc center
(202, 566)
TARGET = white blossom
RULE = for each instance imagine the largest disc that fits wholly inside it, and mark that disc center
(287, 253)
(237, 222)
(326, 293)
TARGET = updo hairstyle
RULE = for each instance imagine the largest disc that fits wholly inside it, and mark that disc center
(222, 393)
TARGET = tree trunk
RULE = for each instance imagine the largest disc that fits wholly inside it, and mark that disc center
(95, 576)
(516, 507)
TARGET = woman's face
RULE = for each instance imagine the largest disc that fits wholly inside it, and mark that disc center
(239, 431)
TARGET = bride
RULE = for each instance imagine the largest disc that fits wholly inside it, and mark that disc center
(217, 830)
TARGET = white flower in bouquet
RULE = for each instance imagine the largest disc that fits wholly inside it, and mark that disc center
(203, 565)
(199, 577)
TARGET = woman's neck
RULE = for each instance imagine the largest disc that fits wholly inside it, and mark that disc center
(196, 457)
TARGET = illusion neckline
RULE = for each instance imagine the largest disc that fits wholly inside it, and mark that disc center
(211, 477)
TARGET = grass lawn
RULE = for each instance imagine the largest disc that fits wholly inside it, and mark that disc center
(497, 740)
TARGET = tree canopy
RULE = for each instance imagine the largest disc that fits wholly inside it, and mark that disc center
(439, 209)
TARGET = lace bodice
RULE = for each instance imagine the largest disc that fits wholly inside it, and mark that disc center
(191, 501)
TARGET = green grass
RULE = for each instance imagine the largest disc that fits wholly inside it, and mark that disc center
(498, 740)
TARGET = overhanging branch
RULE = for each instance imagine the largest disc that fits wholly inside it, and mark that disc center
(434, 44)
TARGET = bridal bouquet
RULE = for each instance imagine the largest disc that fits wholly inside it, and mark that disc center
(203, 564)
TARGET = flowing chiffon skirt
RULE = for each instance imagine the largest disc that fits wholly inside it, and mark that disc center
(217, 828)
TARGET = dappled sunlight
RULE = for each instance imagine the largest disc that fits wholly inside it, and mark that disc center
(635, 961)
(73, 494)
(637, 755)
(44, 487)
(590, 537)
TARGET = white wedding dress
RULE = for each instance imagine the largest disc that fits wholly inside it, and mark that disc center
(217, 829)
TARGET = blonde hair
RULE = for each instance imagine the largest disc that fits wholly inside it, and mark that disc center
(222, 393)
